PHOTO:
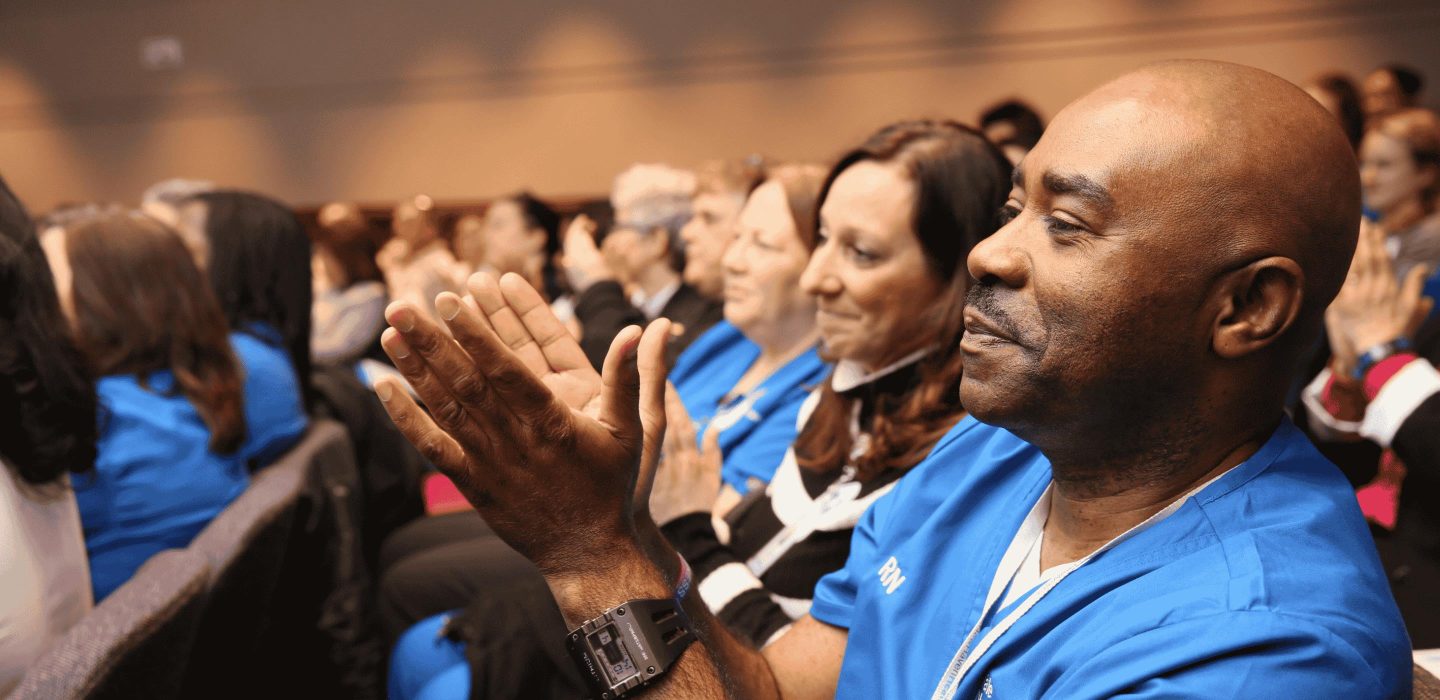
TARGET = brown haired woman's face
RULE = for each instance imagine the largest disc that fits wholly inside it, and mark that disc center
(876, 293)
(1389, 176)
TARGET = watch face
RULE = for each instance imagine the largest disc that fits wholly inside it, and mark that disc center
(613, 654)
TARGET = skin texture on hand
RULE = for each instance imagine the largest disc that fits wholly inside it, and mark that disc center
(1373, 306)
(553, 480)
(547, 451)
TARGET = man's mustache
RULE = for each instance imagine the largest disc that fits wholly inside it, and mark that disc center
(983, 298)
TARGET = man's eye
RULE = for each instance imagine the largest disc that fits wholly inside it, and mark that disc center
(1060, 226)
(1008, 213)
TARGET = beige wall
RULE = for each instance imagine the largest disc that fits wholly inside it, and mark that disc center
(319, 99)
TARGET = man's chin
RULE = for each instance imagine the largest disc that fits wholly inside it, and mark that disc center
(987, 401)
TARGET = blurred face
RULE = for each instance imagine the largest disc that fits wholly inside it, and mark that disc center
(629, 252)
(762, 269)
(876, 296)
(1389, 176)
(470, 239)
(511, 245)
(1380, 94)
(57, 255)
(412, 225)
(1084, 305)
(706, 235)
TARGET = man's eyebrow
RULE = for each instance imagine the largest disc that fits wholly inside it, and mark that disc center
(1080, 186)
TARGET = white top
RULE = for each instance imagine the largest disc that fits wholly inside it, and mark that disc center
(44, 573)
(652, 305)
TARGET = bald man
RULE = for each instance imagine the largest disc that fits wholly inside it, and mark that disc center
(1136, 517)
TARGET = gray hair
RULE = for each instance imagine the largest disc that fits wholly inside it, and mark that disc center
(649, 197)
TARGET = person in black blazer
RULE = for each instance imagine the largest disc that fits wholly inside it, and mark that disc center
(642, 253)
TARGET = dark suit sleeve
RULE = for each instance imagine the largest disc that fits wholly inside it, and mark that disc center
(694, 314)
(603, 311)
(1417, 443)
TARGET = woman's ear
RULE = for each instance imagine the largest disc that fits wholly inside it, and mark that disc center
(1258, 303)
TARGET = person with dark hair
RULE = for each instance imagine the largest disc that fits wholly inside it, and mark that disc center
(189, 408)
(635, 274)
(47, 433)
(1014, 126)
(259, 268)
(522, 235)
(1154, 526)
(416, 262)
(1389, 89)
(1337, 93)
(350, 294)
(896, 218)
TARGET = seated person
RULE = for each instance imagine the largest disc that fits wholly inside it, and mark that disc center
(187, 408)
(416, 261)
(900, 212)
(522, 235)
(47, 405)
(635, 275)
(350, 296)
(1153, 527)
(721, 188)
(258, 263)
(1379, 406)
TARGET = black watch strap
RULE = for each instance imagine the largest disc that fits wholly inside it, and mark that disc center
(632, 644)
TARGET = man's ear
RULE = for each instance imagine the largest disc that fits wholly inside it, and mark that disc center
(1257, 304)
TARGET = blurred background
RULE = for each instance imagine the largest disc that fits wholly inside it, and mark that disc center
(372, 101)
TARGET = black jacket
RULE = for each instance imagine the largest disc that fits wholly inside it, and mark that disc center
(604, 310)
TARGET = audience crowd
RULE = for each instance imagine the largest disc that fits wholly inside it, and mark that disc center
(995, 399)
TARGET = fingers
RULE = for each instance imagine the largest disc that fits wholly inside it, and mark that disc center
(558, 347)
(1413, 307)
(620, 387)
(650, 363)
(504, 321)
(417, 427)
(448, 411)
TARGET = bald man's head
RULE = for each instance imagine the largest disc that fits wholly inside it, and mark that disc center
(1261, 145)
(1176, 232)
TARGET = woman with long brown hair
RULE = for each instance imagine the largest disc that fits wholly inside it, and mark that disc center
(897, 217)
(187, 409)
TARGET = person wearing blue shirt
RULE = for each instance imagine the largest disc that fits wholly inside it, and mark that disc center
(1133, 326)
(186, 409)
(755, 427)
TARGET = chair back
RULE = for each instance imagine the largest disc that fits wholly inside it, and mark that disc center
(135, 643)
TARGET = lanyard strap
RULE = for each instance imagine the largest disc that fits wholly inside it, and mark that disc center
(839, 493)
(1033, 528)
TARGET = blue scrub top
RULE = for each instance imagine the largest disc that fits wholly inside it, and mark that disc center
(757, 427)
(1264, 584)
(156, 483)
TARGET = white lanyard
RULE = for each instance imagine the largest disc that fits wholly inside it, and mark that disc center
(842, 491)
(1032, 529)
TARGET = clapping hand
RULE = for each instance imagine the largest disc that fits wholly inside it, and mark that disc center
(687, 478)
(584, 265)
(546, 450)
(1373, 306)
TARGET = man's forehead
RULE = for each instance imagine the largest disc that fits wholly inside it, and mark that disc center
(1109, 144)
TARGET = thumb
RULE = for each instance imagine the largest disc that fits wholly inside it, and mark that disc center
(710, 449)
(650, 364)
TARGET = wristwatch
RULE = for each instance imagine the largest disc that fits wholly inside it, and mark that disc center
(632, 644)
(1376, 354)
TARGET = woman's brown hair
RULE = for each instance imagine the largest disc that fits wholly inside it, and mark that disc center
(141, 306)
(961, 182)
(801, 183)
